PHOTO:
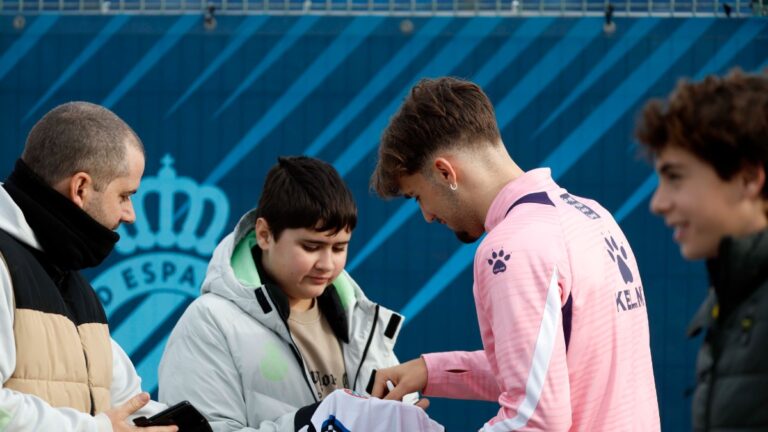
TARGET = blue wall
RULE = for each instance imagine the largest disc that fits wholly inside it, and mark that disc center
(224, 103)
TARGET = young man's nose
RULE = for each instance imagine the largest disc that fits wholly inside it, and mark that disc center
(660, 203)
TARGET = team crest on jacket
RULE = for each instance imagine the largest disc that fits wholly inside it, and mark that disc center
(164, 259)
(630, 297)
(497, 261)
(618, 254)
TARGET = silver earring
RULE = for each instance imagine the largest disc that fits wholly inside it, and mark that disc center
(454, 186)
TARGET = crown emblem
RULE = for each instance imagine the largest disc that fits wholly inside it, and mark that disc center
(187, 215)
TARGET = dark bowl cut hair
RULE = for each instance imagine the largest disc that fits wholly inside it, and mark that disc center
(304, 192)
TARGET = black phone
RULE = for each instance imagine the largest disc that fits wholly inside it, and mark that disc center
(183, 415)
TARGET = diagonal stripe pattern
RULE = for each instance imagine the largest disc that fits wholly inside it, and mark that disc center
(314, 75)
(155, 54)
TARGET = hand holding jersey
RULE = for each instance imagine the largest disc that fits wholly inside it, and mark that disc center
(347, 411)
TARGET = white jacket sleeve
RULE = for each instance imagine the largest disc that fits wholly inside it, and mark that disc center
(197, 366)
(126, 383)
(22, 412)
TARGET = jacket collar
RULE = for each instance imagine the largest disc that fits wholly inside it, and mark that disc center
(739, 269)
(70, 238)
(536, 180)
(234, 275)
(328, 302)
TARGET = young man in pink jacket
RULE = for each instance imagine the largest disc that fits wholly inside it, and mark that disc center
(558, 294)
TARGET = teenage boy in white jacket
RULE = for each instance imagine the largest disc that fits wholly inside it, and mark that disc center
(280, 325)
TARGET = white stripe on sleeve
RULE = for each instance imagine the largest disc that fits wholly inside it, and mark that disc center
(542, 354)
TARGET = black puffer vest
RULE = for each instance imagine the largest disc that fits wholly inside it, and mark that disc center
(732, 366)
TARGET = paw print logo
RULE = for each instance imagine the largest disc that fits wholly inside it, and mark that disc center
(497, 261)
(619, 255)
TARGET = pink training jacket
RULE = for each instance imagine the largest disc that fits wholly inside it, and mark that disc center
(562, 316)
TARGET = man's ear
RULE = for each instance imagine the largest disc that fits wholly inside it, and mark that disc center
(445, 170)
(77, 188)
(263, 233)
(753, 177)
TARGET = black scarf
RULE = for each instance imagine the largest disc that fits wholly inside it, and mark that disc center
(71, 239)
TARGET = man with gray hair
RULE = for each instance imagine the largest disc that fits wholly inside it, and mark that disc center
(60, 370)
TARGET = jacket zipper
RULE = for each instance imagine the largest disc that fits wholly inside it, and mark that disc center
(367, 345)
(294, 348)
(712, 376)
(300, 359)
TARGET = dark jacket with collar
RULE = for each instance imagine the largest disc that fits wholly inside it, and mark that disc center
(732, 366)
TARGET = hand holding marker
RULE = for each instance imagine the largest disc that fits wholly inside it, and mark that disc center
(411, 399)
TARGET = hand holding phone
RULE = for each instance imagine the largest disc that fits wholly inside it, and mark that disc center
(118, 415)
(183, 414)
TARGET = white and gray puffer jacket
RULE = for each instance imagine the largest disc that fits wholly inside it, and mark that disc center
(232, 356)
